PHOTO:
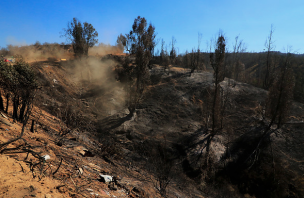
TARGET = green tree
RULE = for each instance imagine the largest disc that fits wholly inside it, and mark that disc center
(19, 81)
(81, 36)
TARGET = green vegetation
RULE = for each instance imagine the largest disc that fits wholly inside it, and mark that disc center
(18, 81)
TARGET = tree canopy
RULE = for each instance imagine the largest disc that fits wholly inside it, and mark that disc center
(141, 37)
(81, 36)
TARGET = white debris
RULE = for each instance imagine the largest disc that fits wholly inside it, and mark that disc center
(106, 178)
(46, 157)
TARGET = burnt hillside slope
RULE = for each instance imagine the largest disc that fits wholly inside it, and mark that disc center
(171, 127)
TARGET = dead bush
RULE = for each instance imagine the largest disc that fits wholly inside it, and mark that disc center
(160, 162)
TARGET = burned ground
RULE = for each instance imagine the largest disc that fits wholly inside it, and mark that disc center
(168, 127)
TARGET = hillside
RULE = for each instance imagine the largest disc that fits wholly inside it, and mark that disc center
(83, 125)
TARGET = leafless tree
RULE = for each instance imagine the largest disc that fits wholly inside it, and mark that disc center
(278, 102)
(238, 67)
(173, 51)
(270, 65)
(196, 58)
(160, 162)
(199, 57)
(186, 59)
(162, 51)
(281, 93)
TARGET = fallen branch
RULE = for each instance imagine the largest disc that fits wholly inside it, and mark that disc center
(15, 139)
(21, 167)
(58, 167)
(26, 117)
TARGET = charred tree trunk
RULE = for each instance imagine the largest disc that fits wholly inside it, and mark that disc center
(25, 102)
(214, 121)
(32, 126)
(15, 107)
(1, 102)
(7, 102)
(22, 110)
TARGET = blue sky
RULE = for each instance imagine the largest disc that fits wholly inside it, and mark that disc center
(25, 22)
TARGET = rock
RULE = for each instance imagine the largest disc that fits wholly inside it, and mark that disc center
(48, 196)
(83, 151)
(80, 171)
(106, 178)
